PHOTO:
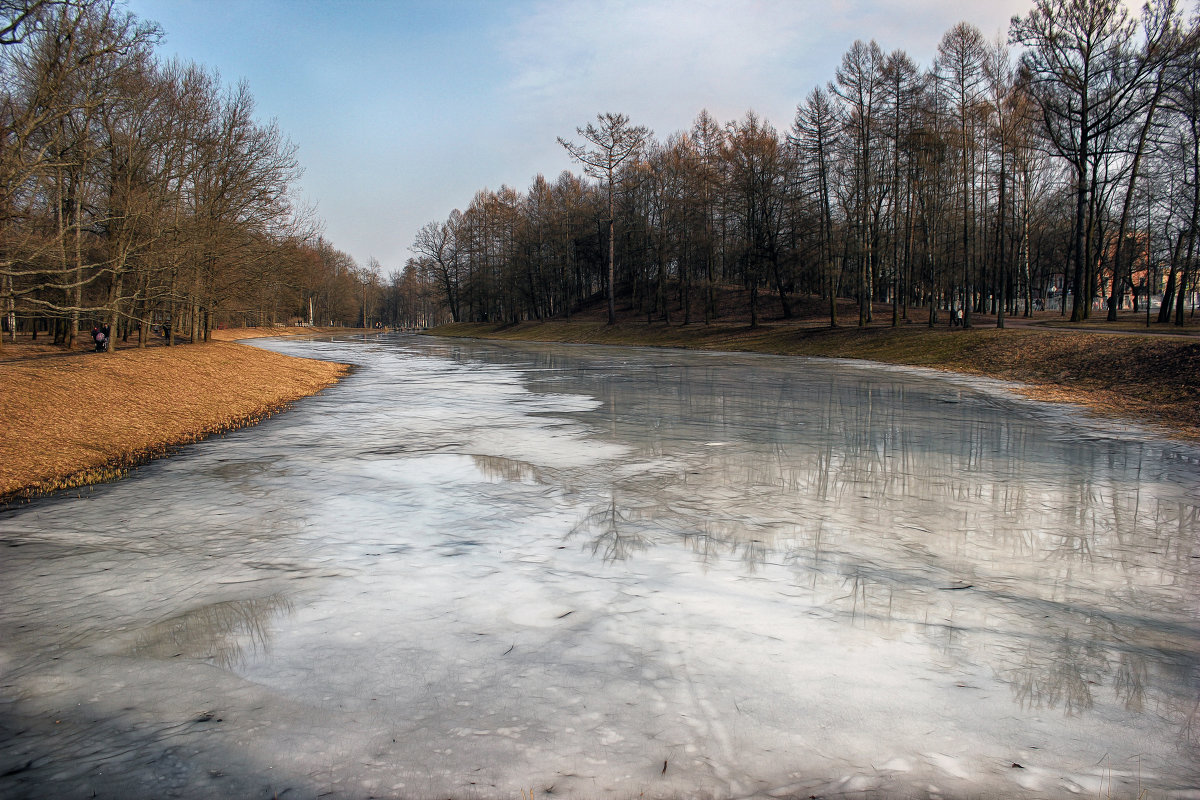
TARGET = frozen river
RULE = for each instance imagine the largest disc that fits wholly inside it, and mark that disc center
(480, 570)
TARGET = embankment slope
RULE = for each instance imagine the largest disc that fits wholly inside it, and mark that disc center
(1154, 380)
(75, 419)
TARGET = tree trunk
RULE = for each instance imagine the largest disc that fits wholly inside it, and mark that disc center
(1184, 272)
(1079, 307)
(834, 269)
(1164, 310)
(753, 304)
(612, 241)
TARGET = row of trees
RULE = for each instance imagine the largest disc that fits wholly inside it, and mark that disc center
(140, 193)
(984, 183)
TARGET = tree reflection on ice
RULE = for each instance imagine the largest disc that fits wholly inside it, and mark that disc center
(225, 633)
(609, 533)
(1059, 675)
(1129, 681)
(482, 568)
(498, 468)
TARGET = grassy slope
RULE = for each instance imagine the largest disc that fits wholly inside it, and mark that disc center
(75, 419)
(1152, 379)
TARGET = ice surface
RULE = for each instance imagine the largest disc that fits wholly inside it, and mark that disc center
(482, 570)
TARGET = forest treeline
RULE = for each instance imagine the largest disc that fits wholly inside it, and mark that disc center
(144, 194)
(1059, 166)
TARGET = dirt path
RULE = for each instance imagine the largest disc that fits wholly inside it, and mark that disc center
(1093, 327)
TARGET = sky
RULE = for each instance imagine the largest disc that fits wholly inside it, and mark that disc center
(402, 111)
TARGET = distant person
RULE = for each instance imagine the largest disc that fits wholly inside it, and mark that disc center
(100, 338)
(958, 318)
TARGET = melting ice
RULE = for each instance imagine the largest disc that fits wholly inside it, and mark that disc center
(489, 570)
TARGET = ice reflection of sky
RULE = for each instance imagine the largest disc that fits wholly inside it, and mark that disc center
(477, 569)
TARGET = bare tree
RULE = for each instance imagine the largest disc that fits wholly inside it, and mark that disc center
(959, 67)
(1088, 79)
(901, 95)
(612, 142)
(706, 137)
(435, 245)
(1180, 152)
(1166, 47)
(756, 181)
(17, 17)
(814, 138)
(860, 86)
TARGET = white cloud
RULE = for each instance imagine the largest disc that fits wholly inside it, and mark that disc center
(662, 61)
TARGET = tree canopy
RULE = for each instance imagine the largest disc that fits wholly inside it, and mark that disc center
(1063, 176)
(144, 194)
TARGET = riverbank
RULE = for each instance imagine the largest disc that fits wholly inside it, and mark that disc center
(73, 419)
(1153, 380)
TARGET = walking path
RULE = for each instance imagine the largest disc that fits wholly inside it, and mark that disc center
(1052, 324)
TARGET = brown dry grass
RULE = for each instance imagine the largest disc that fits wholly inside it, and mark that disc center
(77, 419)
